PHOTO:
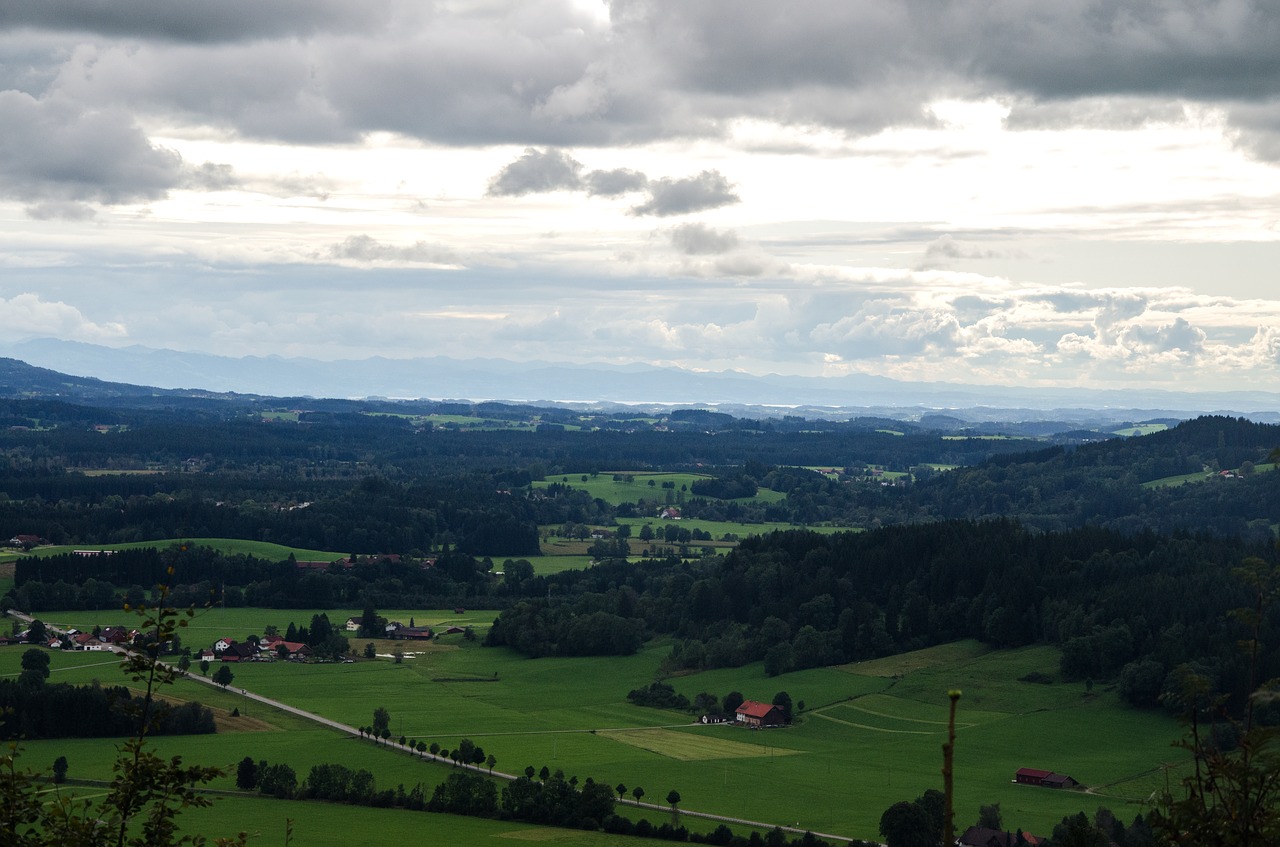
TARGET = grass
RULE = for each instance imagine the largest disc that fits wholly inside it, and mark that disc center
(686, 746)
(229, 546)
(1140, 429)
(1199, 476)
(333, 825)
(557, 563)
(717, 529)
(869, 734)
(615, 492)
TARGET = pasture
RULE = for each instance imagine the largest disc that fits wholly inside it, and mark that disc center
(330, 825)
(617, 487)
(229, 546)
(1140, 429)
(869, 734)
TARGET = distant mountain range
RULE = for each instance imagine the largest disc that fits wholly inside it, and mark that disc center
(548, 383)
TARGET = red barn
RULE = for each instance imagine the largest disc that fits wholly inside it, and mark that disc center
(755, 714)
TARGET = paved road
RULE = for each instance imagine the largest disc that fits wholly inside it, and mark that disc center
(404, 748)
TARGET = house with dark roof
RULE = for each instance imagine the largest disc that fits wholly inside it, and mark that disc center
(981, 836)
(755, 714)
(1044, 779)
(240, 651)
(1030, 776)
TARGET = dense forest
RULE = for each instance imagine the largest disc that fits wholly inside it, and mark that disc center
(1125, 608)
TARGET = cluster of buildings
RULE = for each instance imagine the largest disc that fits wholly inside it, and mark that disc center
(102, 639)
(269, 648)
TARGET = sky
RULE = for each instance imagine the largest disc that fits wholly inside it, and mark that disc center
(1010, 192)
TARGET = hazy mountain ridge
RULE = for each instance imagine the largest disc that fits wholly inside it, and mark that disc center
(548, 383)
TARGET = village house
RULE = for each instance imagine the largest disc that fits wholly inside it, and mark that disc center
(981, 836)
(755, 714)
(1043, 778)
(293, 650)
(1059, 780)
(116, 635)
(240, 651)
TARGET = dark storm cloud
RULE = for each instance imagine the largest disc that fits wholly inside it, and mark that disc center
(707, 190)
(547, 73)
(1079, 48)
(697, 239)
(537, 171)
(615, 182)
(58, 152)
(211, 176)
(223, 20)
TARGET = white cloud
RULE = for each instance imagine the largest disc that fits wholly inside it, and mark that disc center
(358, 162)
(27, 315)
(364, 248)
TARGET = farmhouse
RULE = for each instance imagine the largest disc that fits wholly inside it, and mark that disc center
(755, 714)
(1030, 776)
(116, 635)
(981, 836)
(1044, 779)
(1059, 780)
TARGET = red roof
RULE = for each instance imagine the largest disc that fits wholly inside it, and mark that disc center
(755, 709)
(1034, 773)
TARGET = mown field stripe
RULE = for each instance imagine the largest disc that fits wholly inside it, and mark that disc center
(900, 718)
(876, 728)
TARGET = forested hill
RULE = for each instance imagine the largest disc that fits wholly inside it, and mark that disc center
(1108, 484)
(1124, 608)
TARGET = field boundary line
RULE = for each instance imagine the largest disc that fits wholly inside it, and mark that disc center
(876, 728)
(897, 718)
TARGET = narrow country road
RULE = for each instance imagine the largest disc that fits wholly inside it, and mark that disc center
(404, 748)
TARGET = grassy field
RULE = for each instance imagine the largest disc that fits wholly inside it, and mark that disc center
(331, 825)
(1200, 476)
(229, 546)
(605, 487)
(1140, 429)
(869, 734)
(717, 529)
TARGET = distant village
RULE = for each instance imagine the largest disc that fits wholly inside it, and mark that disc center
(267, 648)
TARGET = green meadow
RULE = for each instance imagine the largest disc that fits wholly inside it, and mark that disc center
(1140, 429)
(230, 546)
(717, 529)
(617, 491)
(332, 825)
(870, 734)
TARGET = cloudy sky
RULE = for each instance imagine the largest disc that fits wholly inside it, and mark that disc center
(986, 191)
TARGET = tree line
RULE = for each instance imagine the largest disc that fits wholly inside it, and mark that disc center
(1136, 605)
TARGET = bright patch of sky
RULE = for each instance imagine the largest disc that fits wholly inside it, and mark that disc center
(1078, 193)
